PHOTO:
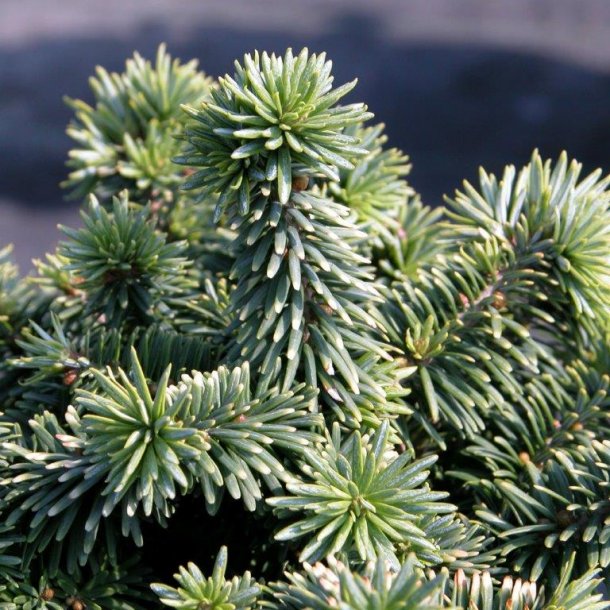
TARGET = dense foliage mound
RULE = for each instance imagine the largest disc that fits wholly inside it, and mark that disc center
(260, 340)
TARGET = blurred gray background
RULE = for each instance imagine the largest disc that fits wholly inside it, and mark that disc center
(459, 83)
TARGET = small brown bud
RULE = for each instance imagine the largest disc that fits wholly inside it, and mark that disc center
(300, 183)
(70, 376)
(499, 300)
(327, 308)
(47, 594)
(464, 299)
(401, 233)
(524, 457)
(420, 345)
(156, 205)
(240, 419)
(72, 288)
(577, 426)
(565, 518)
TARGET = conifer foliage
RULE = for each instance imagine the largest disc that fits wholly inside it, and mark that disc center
(261, 345)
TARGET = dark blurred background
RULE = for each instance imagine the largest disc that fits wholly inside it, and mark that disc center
(459, 83)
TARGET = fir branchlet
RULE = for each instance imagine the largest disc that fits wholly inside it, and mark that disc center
(124, 264)
(453, 315)
(128, 138)
(9, 281)
(131, 450)
(323, 587)
(49, 355)
(216, 593)
(303, 290)
(402, 248)
(545, 210)
(542, 475)
(361, 497)
(273, 114)
(375, 188)
(99, 586)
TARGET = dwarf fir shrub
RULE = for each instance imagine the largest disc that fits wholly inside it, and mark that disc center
(263, 373)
